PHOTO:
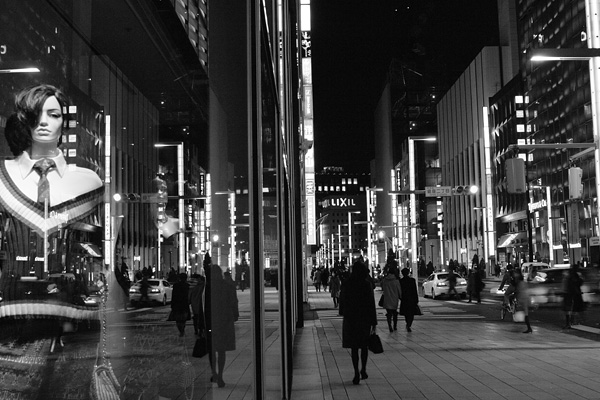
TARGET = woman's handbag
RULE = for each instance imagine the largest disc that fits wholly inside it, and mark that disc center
(104, 384)
(418, 310)
(374, 343)
(200, 348)
(381, 301)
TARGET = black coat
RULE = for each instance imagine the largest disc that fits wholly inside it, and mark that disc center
(410, 296)
(180, 301)
(357, 306)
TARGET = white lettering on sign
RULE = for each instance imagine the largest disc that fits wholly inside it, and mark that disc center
(340, 202)
(537, 205)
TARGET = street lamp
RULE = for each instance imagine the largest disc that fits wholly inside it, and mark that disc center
(413, 197)
(180, 202)
(370, 223)
(232, 225)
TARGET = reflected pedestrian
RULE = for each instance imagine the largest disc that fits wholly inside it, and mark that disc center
(195, 294)
(224, 314)
(357, 306)
(180, 308)
(409, 298)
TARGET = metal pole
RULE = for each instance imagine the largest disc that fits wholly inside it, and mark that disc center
(550, 233)
(181, 207)
(413, 202)
(339, 243)
(369, 249)
(255, 186)
(592, 8)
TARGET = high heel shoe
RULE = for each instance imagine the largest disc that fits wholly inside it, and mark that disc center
(528, 331)
(356, 380)
(363, 374)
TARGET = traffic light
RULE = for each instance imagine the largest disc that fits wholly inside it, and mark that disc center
(126, 197)
(575, 186)
(515, 175)
(380, 236)
(465, 190)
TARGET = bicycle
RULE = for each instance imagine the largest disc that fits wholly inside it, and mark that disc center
(511, 307)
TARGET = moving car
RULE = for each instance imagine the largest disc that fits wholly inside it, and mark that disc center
(547, 286)
(437, 285)
(159, 290)
(529, 269)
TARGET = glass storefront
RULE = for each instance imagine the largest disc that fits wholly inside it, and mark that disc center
(148, 101)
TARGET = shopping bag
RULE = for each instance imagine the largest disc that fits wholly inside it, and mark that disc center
(519, 316)
(381, 301)
(418, 310)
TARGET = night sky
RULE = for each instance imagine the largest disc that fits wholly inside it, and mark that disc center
(352, 45)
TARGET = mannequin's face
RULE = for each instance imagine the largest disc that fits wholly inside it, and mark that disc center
(49, 127)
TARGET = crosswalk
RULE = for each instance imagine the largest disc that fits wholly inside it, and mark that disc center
(438, 310)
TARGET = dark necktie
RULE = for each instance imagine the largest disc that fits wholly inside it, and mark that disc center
(42, 167)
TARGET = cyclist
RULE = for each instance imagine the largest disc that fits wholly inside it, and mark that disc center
(508, 279)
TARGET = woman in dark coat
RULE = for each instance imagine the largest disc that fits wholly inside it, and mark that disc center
(180, 306)
(224, 313)
(357, 306)
(409, 299)
(573, 299)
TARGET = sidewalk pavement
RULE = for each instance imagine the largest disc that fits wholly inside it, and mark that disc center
(450, 354)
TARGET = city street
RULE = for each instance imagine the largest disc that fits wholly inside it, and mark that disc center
(457, 350)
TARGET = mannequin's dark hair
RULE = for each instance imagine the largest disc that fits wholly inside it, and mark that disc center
(28, 106)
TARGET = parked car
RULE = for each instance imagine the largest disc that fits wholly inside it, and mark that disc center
(436, 285)
(547, 286)
(159, 291)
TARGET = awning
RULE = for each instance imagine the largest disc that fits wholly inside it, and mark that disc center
(91, 249)
(510, 239)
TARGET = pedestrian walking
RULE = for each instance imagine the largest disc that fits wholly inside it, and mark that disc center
(474, 285)
(197, 284)
(224, 314)
(144, 286)
(522, 293)
(409, 300)
(317, 280)
(452, 284)
(391, 296)
(180, 308)
(335, 287)
(357, 306)
(573, 299)
(325, 278)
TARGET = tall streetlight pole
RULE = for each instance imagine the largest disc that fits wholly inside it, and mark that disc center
(413, 197)
(350, 248)
(370, 223)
